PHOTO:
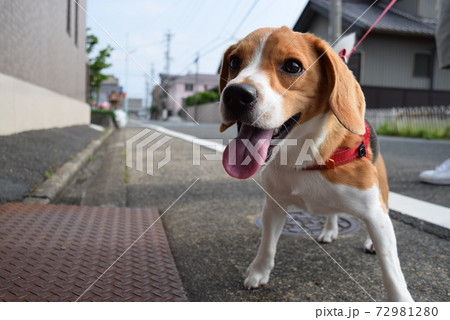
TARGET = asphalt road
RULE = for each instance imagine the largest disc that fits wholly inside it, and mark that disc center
(405, 158)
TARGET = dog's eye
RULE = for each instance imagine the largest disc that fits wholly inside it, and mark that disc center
(292, 66)
(235, 63)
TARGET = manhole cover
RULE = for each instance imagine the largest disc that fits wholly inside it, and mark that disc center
(313, 224)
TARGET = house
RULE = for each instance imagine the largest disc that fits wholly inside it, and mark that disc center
(396, 64)
(135, 107)
(43, 65)
(108, 88)
(180, 87)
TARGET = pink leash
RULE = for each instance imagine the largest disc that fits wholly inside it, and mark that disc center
(342, 53)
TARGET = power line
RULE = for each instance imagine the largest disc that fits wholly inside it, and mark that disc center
(229, 16)
(188, 15)
(215, 47)
(203, 55)
(245, 18)
(209, 44)
(249, 11)
(149, 44)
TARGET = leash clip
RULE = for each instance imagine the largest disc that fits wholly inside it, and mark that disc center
(343, 55)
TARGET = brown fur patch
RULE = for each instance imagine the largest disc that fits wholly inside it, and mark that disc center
(383, 180)
(360, 173)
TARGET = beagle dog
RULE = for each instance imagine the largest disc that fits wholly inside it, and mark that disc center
(287, 90)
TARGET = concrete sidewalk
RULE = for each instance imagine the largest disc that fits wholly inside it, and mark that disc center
(27, 159)
(213, 236)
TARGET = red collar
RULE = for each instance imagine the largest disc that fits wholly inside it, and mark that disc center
(346, 155)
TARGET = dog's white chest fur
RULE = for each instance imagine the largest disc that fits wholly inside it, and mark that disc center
(310, 191)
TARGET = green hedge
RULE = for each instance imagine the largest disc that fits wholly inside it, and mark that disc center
(389, 130)
(104, 112)
(202, 97)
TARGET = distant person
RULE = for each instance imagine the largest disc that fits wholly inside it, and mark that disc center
(441, 174)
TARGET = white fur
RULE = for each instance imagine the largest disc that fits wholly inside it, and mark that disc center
(330, 230)
(310, 189)
(269, 111)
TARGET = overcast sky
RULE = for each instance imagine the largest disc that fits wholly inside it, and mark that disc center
(204, 26)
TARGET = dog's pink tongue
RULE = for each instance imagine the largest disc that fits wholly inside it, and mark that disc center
(247, 153)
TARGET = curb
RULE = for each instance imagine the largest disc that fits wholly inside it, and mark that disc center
(49, 190)
(421, 225)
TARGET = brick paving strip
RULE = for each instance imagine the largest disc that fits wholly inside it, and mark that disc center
(54, 253)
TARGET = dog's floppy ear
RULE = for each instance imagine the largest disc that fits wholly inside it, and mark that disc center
(346, 98)
(224, 69)
(223, 80)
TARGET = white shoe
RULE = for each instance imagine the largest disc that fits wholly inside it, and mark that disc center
(440, 175)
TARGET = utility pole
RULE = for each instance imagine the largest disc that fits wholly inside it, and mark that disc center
(166, 81)
(126, 89)
(152, 72)
(125, 103)
(152, 90)
(335, 20)
(147, 92)
(196, 91)
(169, 38)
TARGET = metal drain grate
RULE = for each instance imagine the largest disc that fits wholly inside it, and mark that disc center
(313, 224)
(53, 253)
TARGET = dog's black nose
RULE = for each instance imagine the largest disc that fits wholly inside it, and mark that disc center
(239, 96)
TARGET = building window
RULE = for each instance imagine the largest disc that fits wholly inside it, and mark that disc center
(69, 2)
(76, 24)
(422, 65)
(189, 87)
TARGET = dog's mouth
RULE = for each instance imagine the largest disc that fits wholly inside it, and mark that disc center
(253, 146)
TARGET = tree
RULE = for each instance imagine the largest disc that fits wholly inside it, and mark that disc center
(96, 65)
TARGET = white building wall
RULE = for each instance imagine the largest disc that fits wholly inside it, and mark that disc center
(25, 106)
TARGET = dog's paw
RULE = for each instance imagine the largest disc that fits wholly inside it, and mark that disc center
(256, 277)
(328, 235)
(368, 246)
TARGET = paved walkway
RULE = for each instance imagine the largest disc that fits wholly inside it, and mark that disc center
(28, 158)
(209, 221)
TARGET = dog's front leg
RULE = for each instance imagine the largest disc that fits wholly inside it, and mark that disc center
(330, 230)
(382, 233)
(273, 219)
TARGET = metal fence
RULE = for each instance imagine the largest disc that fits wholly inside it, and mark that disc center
(425, 117)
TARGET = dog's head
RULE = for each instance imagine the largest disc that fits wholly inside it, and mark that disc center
(274, 80)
